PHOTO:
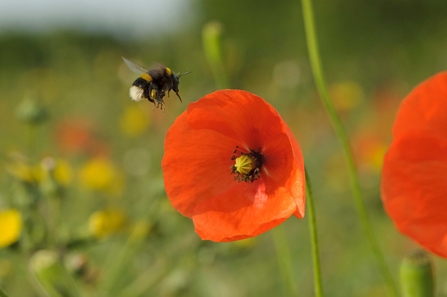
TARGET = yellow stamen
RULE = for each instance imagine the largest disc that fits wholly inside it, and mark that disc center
(244, 164)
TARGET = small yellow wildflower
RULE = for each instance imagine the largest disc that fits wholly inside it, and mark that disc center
(134, 121)
(105, 222)
(140, 230)
(10, 226)
(377, 156)
(59, 168)
(346, 95)
(63, 172)
(23, 172)
(100, 174)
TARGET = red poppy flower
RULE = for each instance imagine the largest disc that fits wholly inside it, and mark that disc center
(414, 182)
(76, 135)
(232, 165)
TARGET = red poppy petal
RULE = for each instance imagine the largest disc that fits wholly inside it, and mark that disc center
(286, 170)
(278, 161)
(424, 107)
(196, 165)
(238, 114)
(245, 210)
(297, 184)
(414, 188)
(231, 111)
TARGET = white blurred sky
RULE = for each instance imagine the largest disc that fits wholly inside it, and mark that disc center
(129, 18)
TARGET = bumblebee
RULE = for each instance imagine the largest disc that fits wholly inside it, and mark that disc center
(154, 83)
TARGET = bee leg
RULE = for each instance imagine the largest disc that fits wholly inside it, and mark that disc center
(159, 104)
(153, 94)
(162, 94)
(178, 95)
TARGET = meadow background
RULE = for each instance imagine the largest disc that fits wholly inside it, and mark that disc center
(81, 161)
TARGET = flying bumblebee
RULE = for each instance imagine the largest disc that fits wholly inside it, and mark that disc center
(152, 84)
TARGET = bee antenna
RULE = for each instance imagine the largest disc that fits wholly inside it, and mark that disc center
(184, 73)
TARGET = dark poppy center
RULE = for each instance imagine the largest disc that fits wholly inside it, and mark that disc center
(247, 165)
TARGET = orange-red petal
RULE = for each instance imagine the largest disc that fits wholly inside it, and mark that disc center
(197, 166)
(414, 181)
(425, 107)
(242, 211)
(297, 184)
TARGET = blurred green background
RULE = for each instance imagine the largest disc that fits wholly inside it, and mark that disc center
(81, 161)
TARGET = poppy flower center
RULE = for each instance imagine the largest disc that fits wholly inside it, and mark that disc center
(247, 166)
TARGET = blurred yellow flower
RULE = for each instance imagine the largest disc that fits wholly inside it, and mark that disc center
(59, 168)
(24, 172)
(101, 174)
(140, 230)
(10, 226)
(376, 156)
(105, 222)
(347, 95)
(134, 121)
(63, 172)
(369, 148)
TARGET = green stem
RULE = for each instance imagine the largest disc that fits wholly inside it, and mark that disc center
(2, 293)
(145, 280)
(314, 239)
(211, 36)
(314, 57)
(31, 141)
(284, 260)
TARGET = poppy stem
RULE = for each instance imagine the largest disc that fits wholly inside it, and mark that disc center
(284, 260)
(314, 238)
(211, 39)
(314, 57)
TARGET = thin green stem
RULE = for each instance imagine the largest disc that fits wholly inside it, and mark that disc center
(145, 280)
(2, 293)
(211, 36)
(314, 239)
(284, 260)
(314, 57)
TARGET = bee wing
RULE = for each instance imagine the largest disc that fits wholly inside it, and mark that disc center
(134, 67)
(157, 71)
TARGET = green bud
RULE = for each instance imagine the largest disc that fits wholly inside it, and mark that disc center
(49, 185)
(211, 36)
(416, 275)
(31, 112)
(49, 270)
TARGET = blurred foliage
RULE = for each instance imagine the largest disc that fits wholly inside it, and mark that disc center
(95, 150)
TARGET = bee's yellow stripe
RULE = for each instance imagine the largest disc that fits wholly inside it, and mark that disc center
(168, 71)
(146, 77)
